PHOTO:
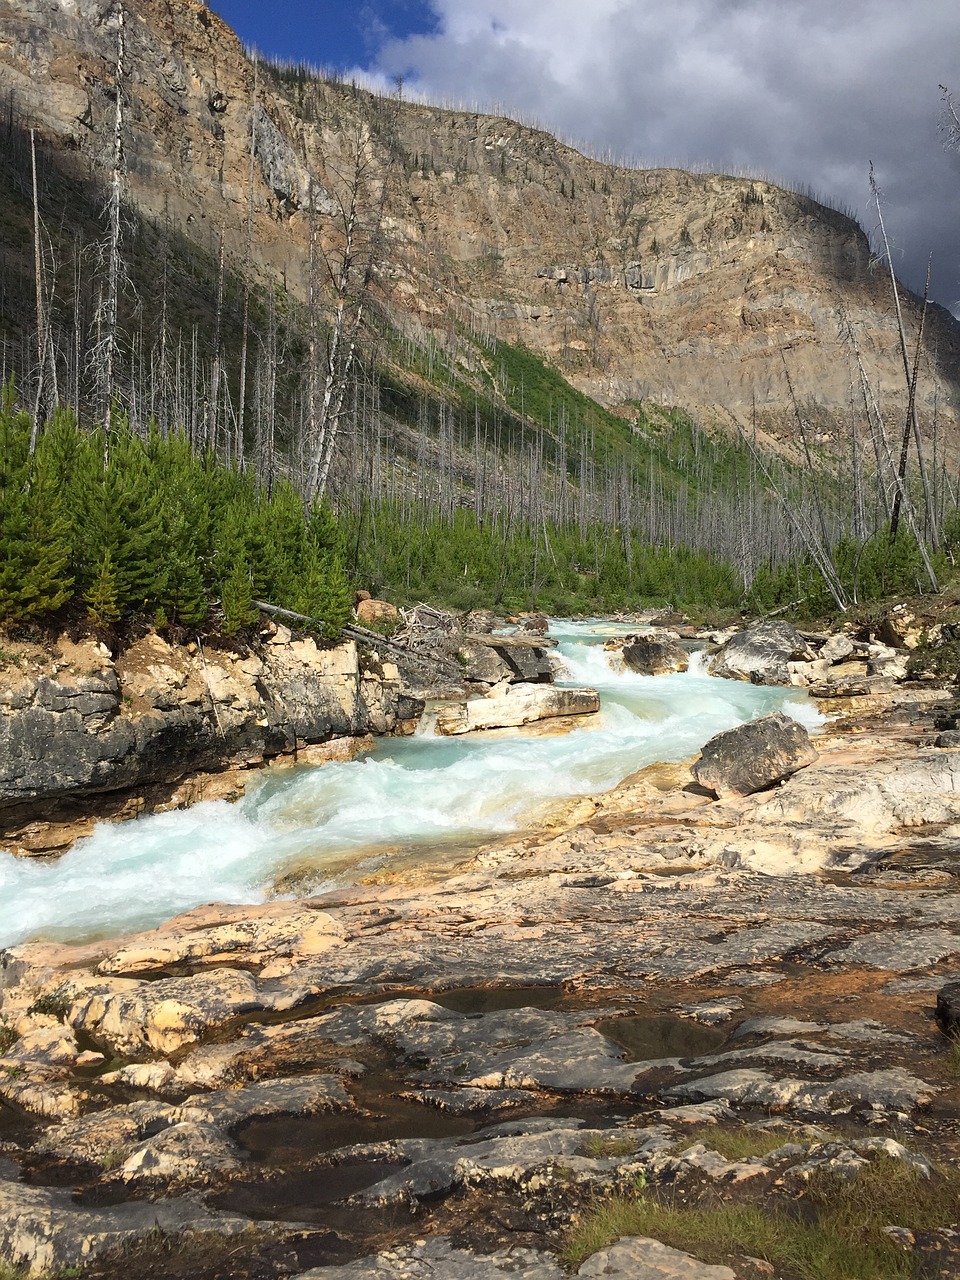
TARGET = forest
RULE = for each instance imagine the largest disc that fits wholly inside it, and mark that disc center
(181, 437)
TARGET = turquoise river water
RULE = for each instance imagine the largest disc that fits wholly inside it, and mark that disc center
(410, 800)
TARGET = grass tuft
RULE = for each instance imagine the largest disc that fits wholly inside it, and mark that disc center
(599, 1147)
(741, 1144)
(832, 1230)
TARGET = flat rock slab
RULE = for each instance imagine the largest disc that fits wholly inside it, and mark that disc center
(640, 1258)
(515, 705)
(898, 950)
(894, 1088)
(437, 1259)
(42, 1229)
(634, 1258)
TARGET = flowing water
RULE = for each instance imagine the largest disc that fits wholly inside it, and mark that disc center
(410, 800)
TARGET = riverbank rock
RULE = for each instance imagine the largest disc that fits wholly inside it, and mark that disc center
(84, 734)
(658, 653)
(761, 654)
(446, 654)
(754, 756)
(508, 706)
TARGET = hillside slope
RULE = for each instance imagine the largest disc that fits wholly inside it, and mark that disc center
(694, 290)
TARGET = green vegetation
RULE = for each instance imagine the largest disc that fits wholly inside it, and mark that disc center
(121, 526)
(740, 1144)
(463, 561)
(951, 1059)
(832, 1230)
(599, 1147)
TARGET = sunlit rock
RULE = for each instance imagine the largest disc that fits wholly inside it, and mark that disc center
(753, 756)
(513, 705)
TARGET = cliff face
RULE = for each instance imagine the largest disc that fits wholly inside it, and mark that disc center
(698, 290)
(84, 736)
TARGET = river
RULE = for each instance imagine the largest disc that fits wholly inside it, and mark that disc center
(409, 801)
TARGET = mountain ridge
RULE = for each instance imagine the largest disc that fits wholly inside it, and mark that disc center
(702, 291)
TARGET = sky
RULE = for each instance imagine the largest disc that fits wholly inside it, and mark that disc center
(803, 92)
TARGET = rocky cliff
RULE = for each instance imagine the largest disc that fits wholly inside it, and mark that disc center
(84, 735)
(705, 291)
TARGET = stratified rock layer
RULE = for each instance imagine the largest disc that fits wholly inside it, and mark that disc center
(83, 734)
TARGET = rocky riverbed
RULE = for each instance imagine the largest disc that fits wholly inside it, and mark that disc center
(441, 1077)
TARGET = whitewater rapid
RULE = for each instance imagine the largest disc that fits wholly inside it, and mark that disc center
(410, 800)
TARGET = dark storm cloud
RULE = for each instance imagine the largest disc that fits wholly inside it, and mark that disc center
(807, 92)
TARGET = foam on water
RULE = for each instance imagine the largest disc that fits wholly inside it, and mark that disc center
(421, 793)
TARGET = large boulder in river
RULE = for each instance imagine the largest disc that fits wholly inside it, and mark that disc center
(753, 756)
(655, 654)
(508, 706)
(761, 654)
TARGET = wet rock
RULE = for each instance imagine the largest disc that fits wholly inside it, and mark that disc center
(761, 654)
(655, 654)
(469, 1100)
(191, 1141)
(42, 1229)
(753, 756)
(514, 705)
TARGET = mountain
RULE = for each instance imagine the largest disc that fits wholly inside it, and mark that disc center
(738, 301)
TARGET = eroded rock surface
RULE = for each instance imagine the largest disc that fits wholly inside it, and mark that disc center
(83, 735)
(443, 1074)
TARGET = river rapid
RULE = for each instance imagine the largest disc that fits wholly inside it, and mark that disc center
(409, 802)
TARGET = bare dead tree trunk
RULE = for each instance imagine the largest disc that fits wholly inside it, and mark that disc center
(38, 274)
(245, 323)
(350, 274)
(111, 302)
(912, 420)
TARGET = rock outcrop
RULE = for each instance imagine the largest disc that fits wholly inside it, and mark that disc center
(509, 706)
(754, 756)
(658, 653)
(636, 283)
(82, 733)
(409, 1073)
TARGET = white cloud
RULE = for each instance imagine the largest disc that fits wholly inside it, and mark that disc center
(808, 91)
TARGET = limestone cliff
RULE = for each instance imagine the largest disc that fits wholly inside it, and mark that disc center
(697, 290)
(84, 735)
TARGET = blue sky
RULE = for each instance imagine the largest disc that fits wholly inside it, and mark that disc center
(328, 33)
(807, 93)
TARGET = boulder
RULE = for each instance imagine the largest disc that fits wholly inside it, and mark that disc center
(374, 611)
(655, 654)
(508, 706)
(761, 653)
(837, 647)
(753, 756)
